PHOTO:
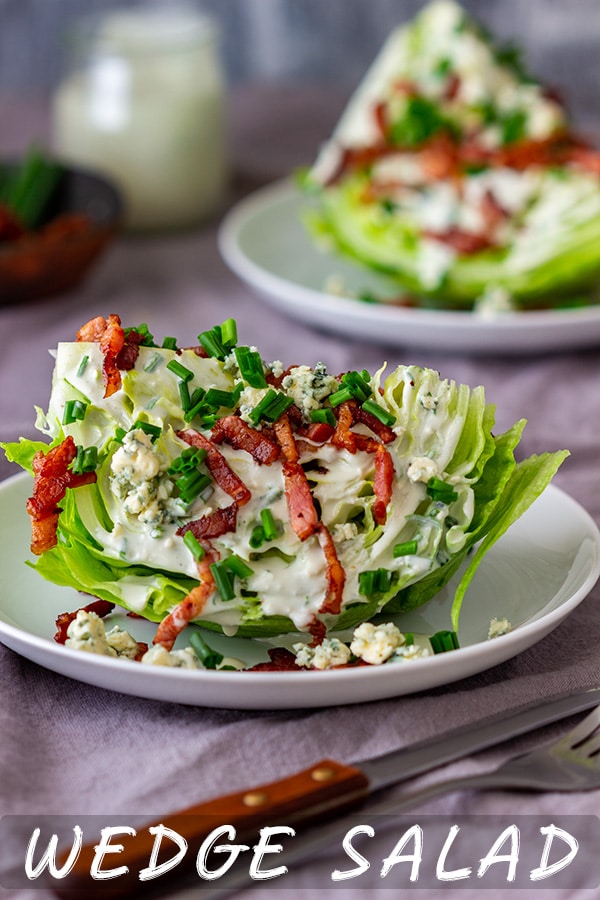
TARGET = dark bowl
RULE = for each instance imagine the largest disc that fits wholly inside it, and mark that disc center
(83, 215)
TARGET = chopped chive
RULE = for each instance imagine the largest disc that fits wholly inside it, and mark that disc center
(341, 396)
(262, 406)
(184, 395)
(213, 343)
(366, 376)
(237, 565)
(153, 363)
(119, 435)
(257, 537)
(180, 370)
(208, 420)
(409, 638)
(153, 431)
(407, 548)
(74, 410)
(277, 407)
(189, 461)
(215, 397)
(169, 343)
(441, 490)
(86, 460)
(229, 333)
(251, 367)
(323, 415)
(90, 459)
(193, 545)
(83, 365)
(384, 416)
(190, 486)
(374, 581)
(210, 659)
(223, 580)
(268, 524)
(359, 388)
(442, 641)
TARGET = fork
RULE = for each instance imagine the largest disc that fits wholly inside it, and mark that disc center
(571, 763)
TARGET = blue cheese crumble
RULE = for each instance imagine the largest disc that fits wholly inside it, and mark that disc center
(309, 387)
(375, 644)
(498, 627)
(332, 652)
(87, 632)
(138, 480)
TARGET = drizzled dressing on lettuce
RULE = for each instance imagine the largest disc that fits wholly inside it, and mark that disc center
(205, 485)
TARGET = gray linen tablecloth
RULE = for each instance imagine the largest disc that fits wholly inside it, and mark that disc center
(70, 748)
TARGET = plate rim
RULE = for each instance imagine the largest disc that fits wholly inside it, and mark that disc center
(458, 665)
(292, 296)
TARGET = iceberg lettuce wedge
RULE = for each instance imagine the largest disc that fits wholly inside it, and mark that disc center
(455, 172)
(309, 502)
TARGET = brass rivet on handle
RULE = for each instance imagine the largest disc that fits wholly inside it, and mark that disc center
(254, 798)
(322, 773)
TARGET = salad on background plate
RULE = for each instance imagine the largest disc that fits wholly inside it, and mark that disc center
(457, 174)
(205, 486)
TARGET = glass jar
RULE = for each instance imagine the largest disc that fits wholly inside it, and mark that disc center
(144, 103)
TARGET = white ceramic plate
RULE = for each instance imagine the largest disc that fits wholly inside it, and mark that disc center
(265, 243)
(535, 576)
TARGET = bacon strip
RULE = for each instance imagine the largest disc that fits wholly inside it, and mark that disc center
(101, 607)
(214, 524)
(383, 432)
(218, 466)
(336, 577)
(382, 484)
(240, 436)
(303, 515)
(120, 352)
(342, 436)
(192, 604)
(285, 437)
(319, 432)
(52, 477)
(464, 242)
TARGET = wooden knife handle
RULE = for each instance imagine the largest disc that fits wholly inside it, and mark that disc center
(314, 793)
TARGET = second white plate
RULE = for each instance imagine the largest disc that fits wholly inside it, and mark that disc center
(265, 243)
(535, 576)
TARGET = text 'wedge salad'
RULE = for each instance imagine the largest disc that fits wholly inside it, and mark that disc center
(456, 173)
(206, 485)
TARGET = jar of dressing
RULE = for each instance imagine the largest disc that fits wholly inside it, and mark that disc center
(144, 103)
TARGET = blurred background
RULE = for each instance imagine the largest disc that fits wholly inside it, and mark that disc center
(308, 41)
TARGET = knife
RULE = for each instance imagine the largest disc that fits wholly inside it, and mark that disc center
(312, 795)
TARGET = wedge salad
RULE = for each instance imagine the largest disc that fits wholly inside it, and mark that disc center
(456, 173)
(204, 485)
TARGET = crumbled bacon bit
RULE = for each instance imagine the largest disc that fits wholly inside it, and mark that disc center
(52, 477)
(336, 577)
(285, 437)
(464, 242)
(192, 604)
(383, 432)
(303, 515)
(215, 524)
(319, 432)
(382, 484)
(280, 660)
(101, 607)
(120, 351)
(342, 436)
(218, 466)
(240, 436)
